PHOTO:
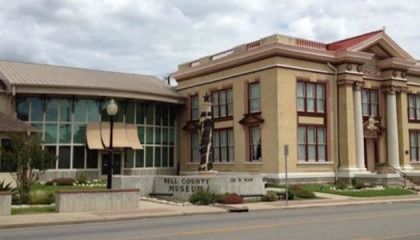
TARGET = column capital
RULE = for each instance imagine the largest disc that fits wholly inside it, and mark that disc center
(391, 89)
(357, 85)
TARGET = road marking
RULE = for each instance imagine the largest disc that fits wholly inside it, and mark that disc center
(402, 236)
(268, 226)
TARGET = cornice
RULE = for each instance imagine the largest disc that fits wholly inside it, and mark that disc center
(271, 50)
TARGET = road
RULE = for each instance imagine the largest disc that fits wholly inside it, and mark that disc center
(364, 222)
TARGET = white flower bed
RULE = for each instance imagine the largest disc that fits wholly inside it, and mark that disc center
(351, 189)
(92, 184)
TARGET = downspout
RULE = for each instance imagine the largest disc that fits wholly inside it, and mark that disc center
(336, 122)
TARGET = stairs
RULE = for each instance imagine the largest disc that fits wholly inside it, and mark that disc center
(405, 181)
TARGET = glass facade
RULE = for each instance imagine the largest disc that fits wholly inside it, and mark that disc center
(62, 123)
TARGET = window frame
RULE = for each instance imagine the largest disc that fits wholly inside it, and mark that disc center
(250, 144)
(317, 127)
(370, 92)
(314, 98)
(192, 108)
(219, 105)
(227, 146)
(416, 132)
(249, 99)
(416, 107)
(193, 148)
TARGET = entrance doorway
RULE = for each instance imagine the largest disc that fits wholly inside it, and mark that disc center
(371, 153)
(106, 157)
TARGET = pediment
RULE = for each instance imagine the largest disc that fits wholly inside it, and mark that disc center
(383, 47)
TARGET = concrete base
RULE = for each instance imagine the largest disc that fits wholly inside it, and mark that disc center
(181, 187)
(5, 203)
(88, 201)
(390, 179)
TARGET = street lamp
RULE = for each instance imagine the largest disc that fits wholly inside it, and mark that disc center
(111, 110)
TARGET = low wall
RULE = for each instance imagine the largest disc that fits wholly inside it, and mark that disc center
(104, 200)
(181, 187)
(5, 203)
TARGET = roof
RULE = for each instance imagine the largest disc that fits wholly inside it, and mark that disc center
(349, 42)
(10, 124)
(41, 75)
(360, 48)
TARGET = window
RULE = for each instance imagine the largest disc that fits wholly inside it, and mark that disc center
(310, 97)
(195, 147)
(79, 157)
(255, 144)
(62, 124)
(312, 144)
(415, 146)
(254, 102)
(413, 107)
(223, 145)
(222, 103)
(370, 102)
(195, 111)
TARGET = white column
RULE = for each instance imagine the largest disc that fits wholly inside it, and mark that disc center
(392, 129)
(358, 122)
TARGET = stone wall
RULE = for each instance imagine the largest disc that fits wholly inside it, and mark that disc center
(106, 200)
(181, 187)
(5, 203)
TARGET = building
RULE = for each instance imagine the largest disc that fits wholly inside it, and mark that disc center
(346, 109)
(66, 105)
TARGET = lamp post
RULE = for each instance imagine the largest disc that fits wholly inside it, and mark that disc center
(111, 110)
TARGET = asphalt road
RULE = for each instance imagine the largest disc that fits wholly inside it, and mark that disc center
(366, 222)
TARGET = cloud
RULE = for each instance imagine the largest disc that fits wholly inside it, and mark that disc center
(153, 37)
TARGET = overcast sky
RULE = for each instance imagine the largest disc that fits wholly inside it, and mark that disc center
(153, 37)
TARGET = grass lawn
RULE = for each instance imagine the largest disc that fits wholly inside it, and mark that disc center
(388, 191)
(32, 210)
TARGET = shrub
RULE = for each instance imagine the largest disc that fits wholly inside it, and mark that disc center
(6, 187)
(41, 197)
(82, 178)
(357, 184)
(61, 181)
(232, 198)
(270, 197)
(16, 200)
(205, 198)
(300, 192)
(340, 186)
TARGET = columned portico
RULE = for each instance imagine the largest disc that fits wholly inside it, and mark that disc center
(358, 120)
(392, 129)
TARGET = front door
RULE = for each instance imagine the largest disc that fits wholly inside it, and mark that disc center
(371, 151)
(106, 157)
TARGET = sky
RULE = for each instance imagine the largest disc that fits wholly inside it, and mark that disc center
(154, 36)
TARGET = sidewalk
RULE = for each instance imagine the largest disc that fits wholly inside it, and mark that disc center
(151, 209)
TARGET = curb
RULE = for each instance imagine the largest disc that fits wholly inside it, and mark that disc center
(227, 209)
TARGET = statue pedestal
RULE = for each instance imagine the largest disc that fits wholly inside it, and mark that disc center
(207, 173)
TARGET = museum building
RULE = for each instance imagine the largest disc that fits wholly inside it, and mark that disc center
(346, 109)
(66, 106)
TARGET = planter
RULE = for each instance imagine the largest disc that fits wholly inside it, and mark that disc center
(93, 200)
(5, 203)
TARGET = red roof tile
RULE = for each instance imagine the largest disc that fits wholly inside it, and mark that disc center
(349, 42)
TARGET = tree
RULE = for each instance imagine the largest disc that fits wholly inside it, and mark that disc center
(30, 160)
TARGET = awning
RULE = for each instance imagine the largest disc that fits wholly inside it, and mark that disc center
(93, 136)
(133, 137)
(124, 136)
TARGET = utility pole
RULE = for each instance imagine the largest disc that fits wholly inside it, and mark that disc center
(286, 153)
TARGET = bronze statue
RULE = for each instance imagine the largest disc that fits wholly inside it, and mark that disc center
(206, 135)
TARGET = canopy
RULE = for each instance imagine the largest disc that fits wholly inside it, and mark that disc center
(124, 136)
